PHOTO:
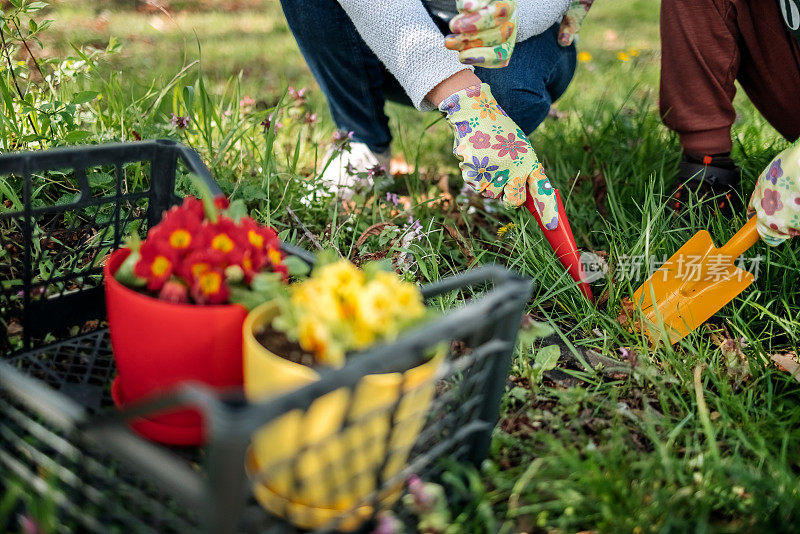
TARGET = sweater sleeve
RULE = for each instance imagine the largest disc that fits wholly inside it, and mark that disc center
(536, 16)
(408, 43)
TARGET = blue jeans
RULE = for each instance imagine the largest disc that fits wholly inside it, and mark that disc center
(357, 84)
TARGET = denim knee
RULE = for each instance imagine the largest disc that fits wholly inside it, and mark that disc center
(527, 106)
(539, 72)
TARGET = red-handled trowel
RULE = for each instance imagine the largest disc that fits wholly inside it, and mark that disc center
(563, 244)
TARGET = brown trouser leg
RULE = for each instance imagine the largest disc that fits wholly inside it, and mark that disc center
(708, 44)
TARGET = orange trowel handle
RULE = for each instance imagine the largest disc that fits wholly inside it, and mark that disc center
(741, 241)
(563, 244)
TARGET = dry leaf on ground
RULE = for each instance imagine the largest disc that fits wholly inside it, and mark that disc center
(788, 362)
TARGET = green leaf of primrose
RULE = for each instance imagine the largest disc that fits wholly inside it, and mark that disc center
(547, 357)
(297, 267)
(125, 275)
(133, 242)
(269, 284)
(245, 297)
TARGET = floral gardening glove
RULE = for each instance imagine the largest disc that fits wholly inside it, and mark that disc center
(484, 32)
(776, 199)
(572, 20)
(497, 160)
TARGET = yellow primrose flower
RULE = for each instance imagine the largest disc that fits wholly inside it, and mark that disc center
(409, 302)
(312, 296)
(348, 303)
(21, 63)
(341, 308)
(314, 336)
(375, 306)
(361, 336)
(633, 52)
(341, 275)
(623, 56)
(584, 56)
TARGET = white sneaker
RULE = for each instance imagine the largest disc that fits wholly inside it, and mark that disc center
(341, 174)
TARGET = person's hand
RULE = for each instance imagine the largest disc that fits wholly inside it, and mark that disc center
(572, 20)
(484, 32)
(496, 158)
(776, 199)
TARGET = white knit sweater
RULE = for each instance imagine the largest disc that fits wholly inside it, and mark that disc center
(406, 40)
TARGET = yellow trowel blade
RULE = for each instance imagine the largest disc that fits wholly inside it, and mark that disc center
(695, 283)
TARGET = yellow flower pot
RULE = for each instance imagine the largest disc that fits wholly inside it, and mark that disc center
(319, 467)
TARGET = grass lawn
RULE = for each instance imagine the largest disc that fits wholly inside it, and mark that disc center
(701, 436)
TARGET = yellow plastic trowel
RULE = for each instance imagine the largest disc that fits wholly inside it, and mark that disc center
(695, 283)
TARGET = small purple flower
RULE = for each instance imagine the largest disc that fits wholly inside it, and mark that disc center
(393, 198)
(376, 170)
(341, 140)
(339, 136)
(266, 123)
(414, 228)
(450, 105)
(298, 95)
(463, 128)
(774, 172)
(179, 122)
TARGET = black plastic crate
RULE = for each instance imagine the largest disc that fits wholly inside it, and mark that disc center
(61, 437)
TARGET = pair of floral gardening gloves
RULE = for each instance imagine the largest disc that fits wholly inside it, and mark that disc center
(496, 158)
(776, 198)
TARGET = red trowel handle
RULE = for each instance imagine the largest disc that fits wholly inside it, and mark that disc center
(563, 244)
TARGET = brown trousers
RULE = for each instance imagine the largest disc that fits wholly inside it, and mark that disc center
(708, 44)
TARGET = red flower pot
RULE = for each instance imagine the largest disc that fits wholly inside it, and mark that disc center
(158, 345)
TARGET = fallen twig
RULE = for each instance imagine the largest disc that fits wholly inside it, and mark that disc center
(311, 237)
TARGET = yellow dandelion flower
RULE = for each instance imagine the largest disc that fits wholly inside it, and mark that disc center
(584, 56)
(21, 63)
(503, 230)
(633, 52)
(623, 56)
